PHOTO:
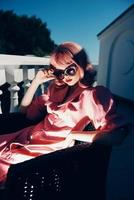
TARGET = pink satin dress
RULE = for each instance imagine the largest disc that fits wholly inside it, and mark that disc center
(94, 105)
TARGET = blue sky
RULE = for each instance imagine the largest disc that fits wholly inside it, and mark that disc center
(72, 20)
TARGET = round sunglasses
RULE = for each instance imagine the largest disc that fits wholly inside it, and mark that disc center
(69, 71)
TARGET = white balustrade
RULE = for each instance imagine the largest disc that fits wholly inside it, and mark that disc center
(15, 69)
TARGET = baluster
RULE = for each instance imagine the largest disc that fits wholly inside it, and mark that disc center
(2, 81)
(28, 75)
(0, 102)
(14, 97)
(39, 91)
(14, 88)
(43, 86)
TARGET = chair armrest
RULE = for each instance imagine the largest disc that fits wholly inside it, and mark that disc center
(81, 170)
(13, 122)
(114, 137)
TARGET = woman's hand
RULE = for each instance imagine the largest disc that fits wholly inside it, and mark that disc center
(43, 76)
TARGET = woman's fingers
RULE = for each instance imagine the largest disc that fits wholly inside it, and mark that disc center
(43, 76)
(49, 73)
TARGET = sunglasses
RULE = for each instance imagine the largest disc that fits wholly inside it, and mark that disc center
(69, 71)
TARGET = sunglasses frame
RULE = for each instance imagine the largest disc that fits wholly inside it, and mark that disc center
(62, 73)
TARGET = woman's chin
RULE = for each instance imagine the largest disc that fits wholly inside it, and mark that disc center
(70, 83)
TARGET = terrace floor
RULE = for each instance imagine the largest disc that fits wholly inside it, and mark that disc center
(126, 108)
(120, 177)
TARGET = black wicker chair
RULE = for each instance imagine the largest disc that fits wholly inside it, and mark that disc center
(78, 172)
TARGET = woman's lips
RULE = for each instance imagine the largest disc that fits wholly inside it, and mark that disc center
(69, 80)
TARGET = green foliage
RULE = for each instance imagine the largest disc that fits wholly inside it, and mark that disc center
(22, 35)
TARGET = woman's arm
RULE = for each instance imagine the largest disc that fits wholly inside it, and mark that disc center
(41, 77)
(86, 136)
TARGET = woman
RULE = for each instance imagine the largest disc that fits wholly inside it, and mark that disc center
(71, 104)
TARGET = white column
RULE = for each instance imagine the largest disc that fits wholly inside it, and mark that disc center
(14, 88)
(29, 75)
(43, 86)
(14, 97)
(2, 81)
(39, 90)
(0, 102)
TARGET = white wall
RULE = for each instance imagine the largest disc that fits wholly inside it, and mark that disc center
(116, 59)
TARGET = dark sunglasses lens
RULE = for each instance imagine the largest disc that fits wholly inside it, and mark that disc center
(59, 74)
(71, 71)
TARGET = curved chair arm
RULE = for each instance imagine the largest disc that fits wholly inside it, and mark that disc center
(13, 122)
(73, 173)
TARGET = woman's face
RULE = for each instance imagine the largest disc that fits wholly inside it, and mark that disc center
(69, 74)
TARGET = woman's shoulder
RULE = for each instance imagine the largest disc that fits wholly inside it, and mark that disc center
(96, 89)
(100, 89)
(97, 92)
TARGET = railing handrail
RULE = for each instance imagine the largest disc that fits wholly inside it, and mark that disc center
(13, 70)
(6, 59)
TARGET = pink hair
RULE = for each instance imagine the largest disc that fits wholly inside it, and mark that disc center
(63, 55)
(71, 52)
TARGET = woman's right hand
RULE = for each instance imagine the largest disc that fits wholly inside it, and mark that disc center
(43, 76)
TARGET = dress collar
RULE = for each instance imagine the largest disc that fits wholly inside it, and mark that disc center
(63, 93)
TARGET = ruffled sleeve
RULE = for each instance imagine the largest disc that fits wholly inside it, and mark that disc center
(101, 109)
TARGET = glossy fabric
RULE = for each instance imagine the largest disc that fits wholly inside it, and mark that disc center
(82, 106)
